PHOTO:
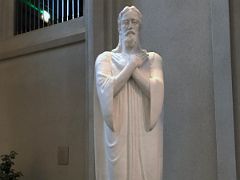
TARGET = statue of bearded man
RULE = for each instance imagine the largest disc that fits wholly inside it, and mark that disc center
(130, 89)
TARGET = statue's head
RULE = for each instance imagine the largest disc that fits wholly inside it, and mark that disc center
(129, 22)
(129, 13)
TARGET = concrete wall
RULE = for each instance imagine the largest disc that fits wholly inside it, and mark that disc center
(180, 32)
(6, 19)
(43, 97)
(235, 42)
(42, 107)
(193, 38)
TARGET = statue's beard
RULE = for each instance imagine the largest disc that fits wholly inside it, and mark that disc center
(130, 40)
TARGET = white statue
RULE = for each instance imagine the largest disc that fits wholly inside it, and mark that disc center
(130, 89)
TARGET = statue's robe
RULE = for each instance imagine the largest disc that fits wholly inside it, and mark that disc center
(129, 124)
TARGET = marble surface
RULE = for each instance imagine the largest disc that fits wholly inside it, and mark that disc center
(130, 90)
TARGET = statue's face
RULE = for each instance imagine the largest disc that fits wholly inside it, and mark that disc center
(129, 29)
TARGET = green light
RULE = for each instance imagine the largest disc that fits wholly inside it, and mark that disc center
(45, 16)
(32, 6)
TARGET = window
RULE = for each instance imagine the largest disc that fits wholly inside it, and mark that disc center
(34, 14)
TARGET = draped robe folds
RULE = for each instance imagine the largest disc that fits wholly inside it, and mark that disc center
(128, 125)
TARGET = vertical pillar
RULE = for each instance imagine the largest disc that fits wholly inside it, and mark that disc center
(235, 45)
(226, 162)
(95, 44)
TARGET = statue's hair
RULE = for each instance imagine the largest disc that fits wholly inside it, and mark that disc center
(124, 11)
(127, 9)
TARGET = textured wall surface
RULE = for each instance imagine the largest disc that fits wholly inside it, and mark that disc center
(42, 107)
(235, 42)
(6, 19)
(181, 32)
